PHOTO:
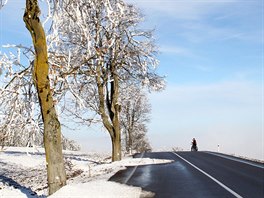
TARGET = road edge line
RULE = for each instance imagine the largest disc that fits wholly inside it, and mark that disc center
(133, 171)
(211, 177)
(236, 160)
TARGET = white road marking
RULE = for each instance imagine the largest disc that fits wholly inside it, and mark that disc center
(133, 171)
(237, 160)
(211, 177)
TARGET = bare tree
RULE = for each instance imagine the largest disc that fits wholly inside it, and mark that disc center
(52, 129)
(141, 142)
(18, 96)
(18, 101)
(100, 47)
(134, 117)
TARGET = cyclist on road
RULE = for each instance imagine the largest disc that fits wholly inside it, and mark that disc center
(194, 145)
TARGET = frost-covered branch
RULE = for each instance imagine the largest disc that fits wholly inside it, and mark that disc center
(103, 46)
(2, 3)
(134, 117)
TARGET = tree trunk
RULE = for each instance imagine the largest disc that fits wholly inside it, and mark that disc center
(130, 140)
(52, 130)
(115, 109)
(108, 106)
(116, 147)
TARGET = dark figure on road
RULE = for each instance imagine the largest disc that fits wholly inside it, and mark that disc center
(194, 145)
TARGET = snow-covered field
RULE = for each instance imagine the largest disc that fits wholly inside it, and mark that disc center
(23, 175)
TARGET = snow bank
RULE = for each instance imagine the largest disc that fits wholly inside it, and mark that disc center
(103, 188)
(27, 157)
(97, 189)
(142, 161)
(106, 168)
(24, 175)
(13, 193)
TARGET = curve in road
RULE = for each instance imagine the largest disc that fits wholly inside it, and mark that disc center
(181, 178)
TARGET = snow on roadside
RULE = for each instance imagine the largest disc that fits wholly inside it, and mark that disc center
(100, 187)
(9, 192)
(12, 193)
(108, 167)
(23, 175)
(97, 189)
(26, 157)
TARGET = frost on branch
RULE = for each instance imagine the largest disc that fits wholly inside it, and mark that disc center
(19, 123)
(92, 44)
(85, 33)
(20, 120)
(2, 3)
(95, 47)
(134, 118)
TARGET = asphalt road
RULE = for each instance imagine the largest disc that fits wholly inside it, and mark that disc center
(196, 175)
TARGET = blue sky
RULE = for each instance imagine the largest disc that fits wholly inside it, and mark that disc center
(212, 54)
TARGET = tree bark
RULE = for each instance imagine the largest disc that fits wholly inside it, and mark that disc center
(52, 130)
(115, 109)
(108, 102)
(116, 147)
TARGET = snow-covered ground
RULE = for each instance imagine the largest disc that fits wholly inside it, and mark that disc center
(23, 175)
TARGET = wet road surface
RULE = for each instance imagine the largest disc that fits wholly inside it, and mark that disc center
(196, 174)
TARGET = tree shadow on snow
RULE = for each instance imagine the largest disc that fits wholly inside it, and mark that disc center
(27, 191)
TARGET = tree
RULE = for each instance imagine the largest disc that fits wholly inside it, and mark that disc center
(101, 46)
(17, 101)
(52, 130)
(134, 116)
(140, 140)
